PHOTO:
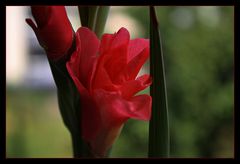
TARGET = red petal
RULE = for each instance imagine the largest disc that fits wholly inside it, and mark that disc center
(106, 42)
(116, 63)
(80, 67)
(141, 107)
(55, 33)
(134, 66)
(73, 67)
(113, 57)
(88, 55)
(138, 53)
(102, 80)
(91, 119)
(112, 41)
(130, 88)
(118, 55)
(114, 111)
(136, 46)
(90, 113)
(83, 61)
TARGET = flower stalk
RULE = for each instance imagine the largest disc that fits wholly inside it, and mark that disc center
(96, 78)
(94, 18)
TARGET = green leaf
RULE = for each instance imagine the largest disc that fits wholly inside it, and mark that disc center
(65, 93)
(83, 13)
(101, 19)
(88, 16)
(92, 17)
(159, 123)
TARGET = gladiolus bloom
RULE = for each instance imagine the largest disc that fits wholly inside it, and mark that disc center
(53, 30)
(104, 73)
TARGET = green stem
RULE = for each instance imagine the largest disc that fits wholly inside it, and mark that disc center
(83, 14)
(80, 149)
(94, 17)
(101, 20)
(69, 103)
(159, 123)
(92, 13)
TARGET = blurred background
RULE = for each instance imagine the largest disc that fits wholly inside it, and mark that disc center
(198, 51)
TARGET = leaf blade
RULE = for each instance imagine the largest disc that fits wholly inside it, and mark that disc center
(159, 123)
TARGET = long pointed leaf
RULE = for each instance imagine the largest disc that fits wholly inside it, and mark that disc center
(159, 126)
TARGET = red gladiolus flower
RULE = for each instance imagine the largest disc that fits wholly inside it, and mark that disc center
(53, 30)
(104, 73)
